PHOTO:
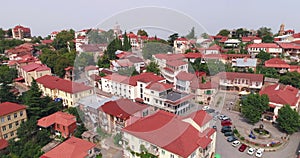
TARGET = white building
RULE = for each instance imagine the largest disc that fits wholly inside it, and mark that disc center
(167, 136)
(271, 48)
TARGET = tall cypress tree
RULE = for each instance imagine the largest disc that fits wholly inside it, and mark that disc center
(126, 42)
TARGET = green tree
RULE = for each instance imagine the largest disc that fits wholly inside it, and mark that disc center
(153, 67)
(263, 56)
(151, 48)
(264, 31)
(7, 74)
(268, 39)
(64, 39)
(253, 106)
(191, 34)
(172, 38)
(85, 59)
(112, 47)
(7, 44)
(6, 95)
(291, 78)
(104, 62)
(267, 72)
(205, 35)
(126, 42)
(2, 34)
(39, 106)
(142, 32)
(80, 129)
(288, 119)
(224, 32)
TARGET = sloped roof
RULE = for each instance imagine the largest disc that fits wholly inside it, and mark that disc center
(35, 67)
(169, 132)
(281, 94)
(57, 118)
(3, 144)
(263, 45)
(122, 108)
(234, 75)
(53, 82)
(9, 107)
(185, 76)
(158, 86)
(276, 63)
(71, 148)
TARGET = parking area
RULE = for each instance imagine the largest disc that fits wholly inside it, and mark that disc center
(226, 150)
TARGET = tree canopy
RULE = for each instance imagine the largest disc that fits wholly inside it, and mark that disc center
(64, 40)
(151, 48)
(288, 119)
(172, 38)
(263, 56)
(253, 106)
(153, 67)
(224, 32)
(142, 32)
(100, 38)
(191, 34)
(291, 78)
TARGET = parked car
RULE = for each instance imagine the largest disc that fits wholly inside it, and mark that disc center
(205, 108)
(251, 151)
(236, 143)
(226, 123)
(231, 139)
(214, 127)
(227, 134)
(210, 110)
(226, 130)
(243, 147)
(226, 118)
(259, 152)
(221, 117)
(226, 127)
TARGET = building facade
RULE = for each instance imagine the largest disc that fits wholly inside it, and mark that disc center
(11, 115)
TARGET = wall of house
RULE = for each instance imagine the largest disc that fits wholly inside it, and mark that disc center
(10, 123)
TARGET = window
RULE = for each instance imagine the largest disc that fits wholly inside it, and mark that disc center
(64, 128)
(171, 156)
(163, 152)
(57, 125)
(2, 119)
(3, 128)
(193, 155)
(8, 118)
(17, 123)
(10, 126)
(12, 133)
(21, 113)
(15, 115)
(5, 136)
(23, 120)
(145, 113)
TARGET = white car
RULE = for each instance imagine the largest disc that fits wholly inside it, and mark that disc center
(225, 118)
(221, 117)
(259, 152)
(205, 108)
(251, 151)
(236, 143)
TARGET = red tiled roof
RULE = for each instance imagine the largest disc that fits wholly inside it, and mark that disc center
(208, 85)
(214, 47)
(57, 118)
(135, 59)
(249, 38)
(223, 39)
(158, 86)
(169, 56)
(145, 77)
(181, 39)
(24, 29)
(296, 35)
(71, 148)
(200, 117)
(176, 63)
(168, 69)
(263, 45)
(296, 42)
(294, 68)
(3, 144)
(185, 76)
(169, 132)
(68, 68)
(9, 107)
(95, 77)
(122, 108)
(123, 54)
(215, 56)
(234, 75)
(193, 55)
(35, 67)
(276, 63)
(289, 46)
(53, 82)
(281, 94)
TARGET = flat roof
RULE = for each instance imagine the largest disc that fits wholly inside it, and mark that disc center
(174, 96)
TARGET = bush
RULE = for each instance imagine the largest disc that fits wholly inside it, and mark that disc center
(242, 138)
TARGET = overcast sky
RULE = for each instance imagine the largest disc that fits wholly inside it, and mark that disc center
(210, 16)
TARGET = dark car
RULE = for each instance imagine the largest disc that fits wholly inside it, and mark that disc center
(226, 130)
(243, 147)
(226, 127)
(231, 139)
(226, 123)
(227, 134)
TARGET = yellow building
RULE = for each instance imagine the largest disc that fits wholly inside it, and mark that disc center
(11, 117)
(34, 71)
(67, 91)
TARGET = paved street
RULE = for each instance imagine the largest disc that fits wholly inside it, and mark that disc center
(228, 151)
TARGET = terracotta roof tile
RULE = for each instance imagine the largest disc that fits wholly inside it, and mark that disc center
(57, 118)
(9, 107)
